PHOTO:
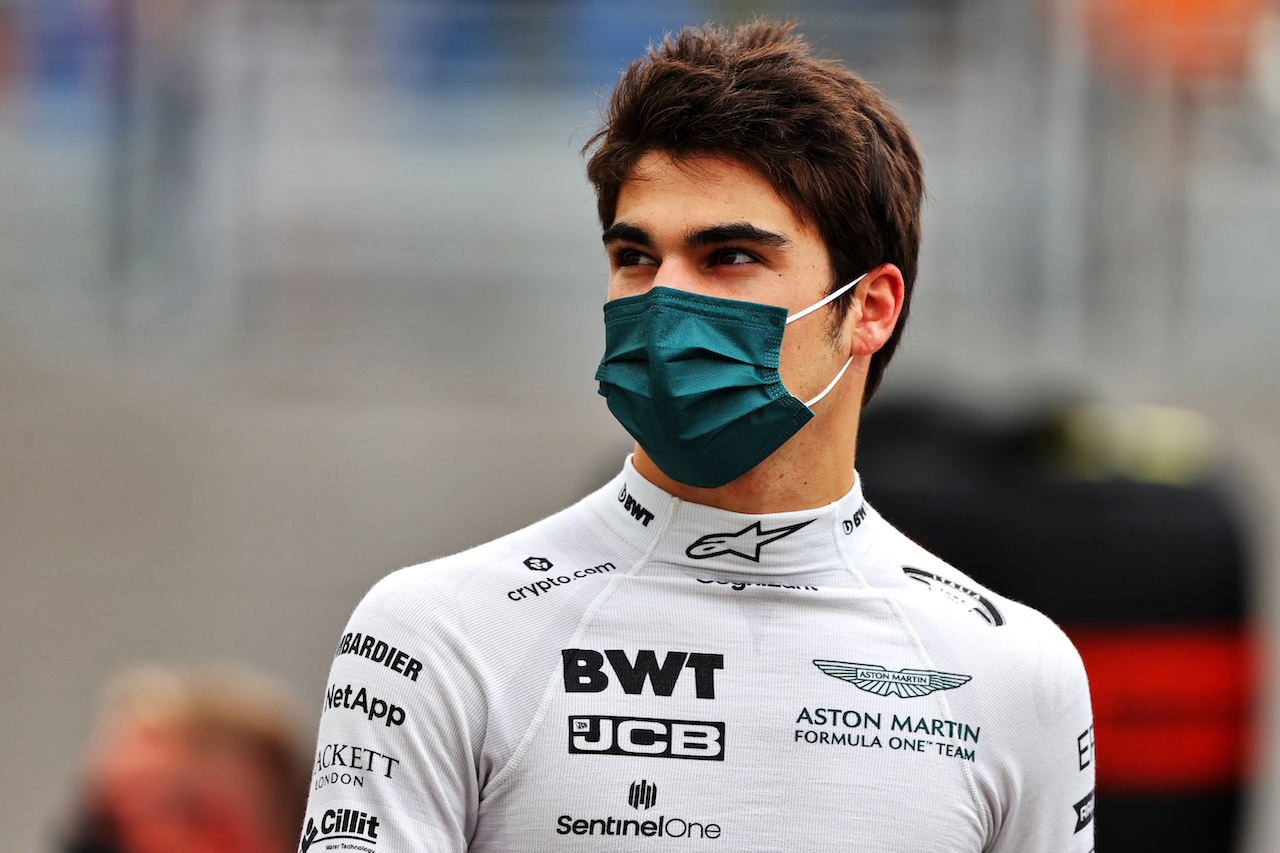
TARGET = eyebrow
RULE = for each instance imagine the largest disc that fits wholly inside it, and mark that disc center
(622, 232)
(731, 232)
(734, 232)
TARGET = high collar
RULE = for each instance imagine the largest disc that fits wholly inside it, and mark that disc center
(704, 539)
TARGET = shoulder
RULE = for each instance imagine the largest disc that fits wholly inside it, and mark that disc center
(542, 572)
(961, 620)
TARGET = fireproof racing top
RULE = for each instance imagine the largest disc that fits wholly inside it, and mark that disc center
(641, 673)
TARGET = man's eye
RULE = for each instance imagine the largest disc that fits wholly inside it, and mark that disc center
(632, 258)
(734, 257)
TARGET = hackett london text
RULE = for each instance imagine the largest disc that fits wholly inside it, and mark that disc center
(368, 646)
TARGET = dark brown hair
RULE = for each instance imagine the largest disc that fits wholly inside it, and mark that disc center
(826, 141)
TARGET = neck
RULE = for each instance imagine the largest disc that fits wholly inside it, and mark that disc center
(811, 470)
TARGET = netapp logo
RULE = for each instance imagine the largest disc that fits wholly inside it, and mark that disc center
(372, 707)
(584, 671)
(631, 505)
(379, 652)
(336, 764)
(643, 794)
(341, 823)
(958, 594)
(653, 738)
(1084, 811)
(746, 543)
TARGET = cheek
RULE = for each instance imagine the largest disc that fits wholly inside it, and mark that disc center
(809, 360)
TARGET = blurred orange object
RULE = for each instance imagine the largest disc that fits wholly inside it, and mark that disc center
(1188, 41)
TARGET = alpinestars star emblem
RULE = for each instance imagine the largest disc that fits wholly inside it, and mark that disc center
(747, 542)
(906, 683)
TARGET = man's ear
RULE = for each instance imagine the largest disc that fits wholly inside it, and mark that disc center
(877, 302)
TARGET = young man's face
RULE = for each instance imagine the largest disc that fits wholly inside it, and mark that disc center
(712, 226)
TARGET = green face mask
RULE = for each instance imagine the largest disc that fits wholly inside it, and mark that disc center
(695, 381)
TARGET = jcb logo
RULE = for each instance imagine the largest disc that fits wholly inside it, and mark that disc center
(696, 739)
(584, 671)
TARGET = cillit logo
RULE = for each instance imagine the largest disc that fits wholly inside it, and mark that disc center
(584, 671)
(645, 736)
(372, 707)
(340, 823)
(631, 505)
(906, 683)
(643, 794)
(538, 564)
(746, 543)
(1084, 811)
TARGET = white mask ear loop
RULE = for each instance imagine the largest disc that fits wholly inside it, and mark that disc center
(833, 295)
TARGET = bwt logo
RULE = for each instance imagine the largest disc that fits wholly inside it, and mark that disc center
(584, 671)
(631, 505)
(858, 517)
(643, 794)
(647, 737)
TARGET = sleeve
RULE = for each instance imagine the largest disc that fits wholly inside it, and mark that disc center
(397, 759)
(1046, 801)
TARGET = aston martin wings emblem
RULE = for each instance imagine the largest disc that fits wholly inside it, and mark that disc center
(883, 682)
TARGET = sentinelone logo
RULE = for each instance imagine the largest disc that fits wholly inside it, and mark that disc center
(347, 824)
(642, 794)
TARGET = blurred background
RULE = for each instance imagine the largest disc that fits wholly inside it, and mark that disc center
(297, 292)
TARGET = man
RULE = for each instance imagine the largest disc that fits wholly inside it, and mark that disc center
(193, 761)
(725, 647)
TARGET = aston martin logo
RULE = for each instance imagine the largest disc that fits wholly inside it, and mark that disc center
(747, 542)
(883, 682)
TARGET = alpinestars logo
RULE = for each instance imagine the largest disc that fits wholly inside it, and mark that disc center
(346, 824)
(745, 543)
(643, 794)
(906, 683)
(538, 564)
